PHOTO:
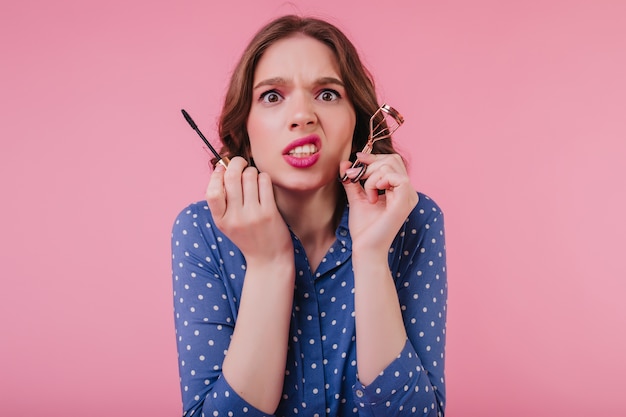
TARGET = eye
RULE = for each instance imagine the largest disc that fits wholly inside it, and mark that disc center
(329, 95)
(270, 97)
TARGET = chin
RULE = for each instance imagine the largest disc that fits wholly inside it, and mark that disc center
(303, 181)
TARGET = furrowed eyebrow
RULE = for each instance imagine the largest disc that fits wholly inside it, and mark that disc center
(329, 80)
(282, 81)
(271, 81)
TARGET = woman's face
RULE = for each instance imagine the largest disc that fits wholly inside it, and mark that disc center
(301, 122)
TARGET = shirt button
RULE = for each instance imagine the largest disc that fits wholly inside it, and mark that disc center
(359, 393)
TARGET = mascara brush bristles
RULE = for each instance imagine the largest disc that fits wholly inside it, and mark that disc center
(194, 126)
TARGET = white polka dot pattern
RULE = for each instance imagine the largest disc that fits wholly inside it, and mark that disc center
(321, 371)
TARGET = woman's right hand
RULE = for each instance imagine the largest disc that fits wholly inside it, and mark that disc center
(242, 203)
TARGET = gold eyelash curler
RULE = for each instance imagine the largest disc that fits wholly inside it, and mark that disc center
(387, 120)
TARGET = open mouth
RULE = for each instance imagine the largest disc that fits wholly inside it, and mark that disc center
(303, 151)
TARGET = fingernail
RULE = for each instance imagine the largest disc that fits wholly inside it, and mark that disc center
(360, 171)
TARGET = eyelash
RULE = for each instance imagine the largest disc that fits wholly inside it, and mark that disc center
(265, 94)
(330, 90)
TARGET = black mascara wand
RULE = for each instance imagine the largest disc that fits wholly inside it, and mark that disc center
(221, 160)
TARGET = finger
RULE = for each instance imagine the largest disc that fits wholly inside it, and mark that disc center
(353, 190)
(355, 174)
(390, 181)
(349, 172)
(369, 164)
(376, 160)
(380, 165)
(367, 158)
(377, 180)
(266, 191)
(344, 166)
(232, 181)
(399, 193)
(250, 186)
(215, 194)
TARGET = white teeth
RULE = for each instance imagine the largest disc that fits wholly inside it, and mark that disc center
(304, 150)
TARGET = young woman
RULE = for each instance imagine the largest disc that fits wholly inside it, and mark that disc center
(297, 293)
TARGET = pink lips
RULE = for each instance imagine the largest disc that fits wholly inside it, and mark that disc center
(303, 162)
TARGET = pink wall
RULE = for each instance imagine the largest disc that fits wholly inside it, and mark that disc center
(515, 124)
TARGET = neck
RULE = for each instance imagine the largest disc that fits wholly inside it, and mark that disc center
(313, 216)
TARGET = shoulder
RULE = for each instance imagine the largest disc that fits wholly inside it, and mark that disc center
(194, 232)
(425, 222)
(196, 221)
(425, 212)
(193, 213)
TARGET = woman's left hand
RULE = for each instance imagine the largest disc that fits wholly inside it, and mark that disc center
(375, 219)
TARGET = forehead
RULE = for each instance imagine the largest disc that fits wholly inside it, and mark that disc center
(297, 56)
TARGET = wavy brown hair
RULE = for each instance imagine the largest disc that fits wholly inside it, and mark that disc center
(358, 82)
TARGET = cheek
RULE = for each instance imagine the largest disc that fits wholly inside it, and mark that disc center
(261, 125)
(257, 131)
(252, 125)
(349, 148)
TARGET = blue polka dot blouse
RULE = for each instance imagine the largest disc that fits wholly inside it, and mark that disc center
(321, 369)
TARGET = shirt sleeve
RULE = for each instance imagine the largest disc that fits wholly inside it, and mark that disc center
(204, 315)
(413, 384)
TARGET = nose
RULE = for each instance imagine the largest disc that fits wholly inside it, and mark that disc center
(302, 112)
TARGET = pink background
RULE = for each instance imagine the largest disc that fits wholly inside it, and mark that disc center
(516, 125)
